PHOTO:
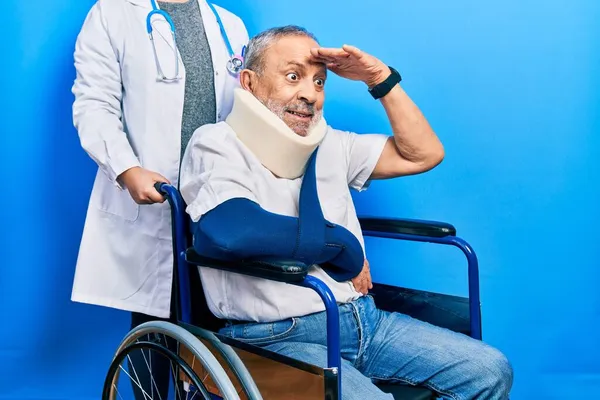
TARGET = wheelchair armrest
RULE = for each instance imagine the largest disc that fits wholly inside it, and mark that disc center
(407, 226)
(275, 269)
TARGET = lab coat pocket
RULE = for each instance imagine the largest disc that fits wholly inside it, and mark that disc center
(112, 200)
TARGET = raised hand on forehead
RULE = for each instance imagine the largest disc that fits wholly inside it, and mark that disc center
(352, 63)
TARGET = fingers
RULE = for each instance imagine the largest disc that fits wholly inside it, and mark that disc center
(325, 60)
(159, 178)
(154, 197)
(365, 289)
(366, 284)
(335, 53)
(148, 193)
(336, 59)
(368, 273)
(148, 196)
(329, 64)
(331, 53)
(140, 183)
(361, 285)
(352, 50)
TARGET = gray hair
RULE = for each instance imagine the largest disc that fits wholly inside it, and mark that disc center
(257, 46)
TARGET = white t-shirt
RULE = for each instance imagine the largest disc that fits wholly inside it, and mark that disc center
(218, 167)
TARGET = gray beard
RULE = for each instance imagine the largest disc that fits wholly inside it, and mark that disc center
(279, 110)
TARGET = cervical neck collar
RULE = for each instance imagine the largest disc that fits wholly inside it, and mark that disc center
(277, 146)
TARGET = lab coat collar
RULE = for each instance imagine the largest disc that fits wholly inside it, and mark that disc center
(143, 3)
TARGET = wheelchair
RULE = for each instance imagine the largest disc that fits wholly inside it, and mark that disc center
(207, 365)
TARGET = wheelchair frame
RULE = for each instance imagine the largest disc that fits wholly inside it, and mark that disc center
(402, 229)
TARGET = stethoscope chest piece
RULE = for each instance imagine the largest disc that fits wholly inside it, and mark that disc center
(235, 65)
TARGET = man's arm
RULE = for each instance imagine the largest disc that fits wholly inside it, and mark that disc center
(414, 148)
(240, 229)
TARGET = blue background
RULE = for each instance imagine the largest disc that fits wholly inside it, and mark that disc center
(511, 88)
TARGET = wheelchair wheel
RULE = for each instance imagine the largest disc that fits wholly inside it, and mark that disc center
(168, 341)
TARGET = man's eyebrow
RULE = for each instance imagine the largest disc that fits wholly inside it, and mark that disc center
(296, 63)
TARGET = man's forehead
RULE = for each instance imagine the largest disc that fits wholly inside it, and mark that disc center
(284, 53)
(294, 50)
(296, 42)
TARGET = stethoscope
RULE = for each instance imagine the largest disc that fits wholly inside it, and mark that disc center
(234, 64)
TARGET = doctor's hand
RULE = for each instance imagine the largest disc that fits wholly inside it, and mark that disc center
(140, 184)
(362, 282)
(352, 63)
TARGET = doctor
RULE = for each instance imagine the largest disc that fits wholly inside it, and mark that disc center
(149, 73)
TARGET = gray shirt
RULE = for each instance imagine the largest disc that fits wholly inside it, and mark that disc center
(199, 104)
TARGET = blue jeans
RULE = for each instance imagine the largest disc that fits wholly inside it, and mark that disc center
(379, 346)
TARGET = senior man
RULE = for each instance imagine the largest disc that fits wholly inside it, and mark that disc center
(255, 185)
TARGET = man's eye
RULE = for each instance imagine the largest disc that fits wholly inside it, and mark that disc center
(319, 82)
(292, 76)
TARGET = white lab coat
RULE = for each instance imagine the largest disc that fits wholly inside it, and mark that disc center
(126, 118)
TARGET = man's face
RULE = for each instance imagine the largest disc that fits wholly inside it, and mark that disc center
(292, 83)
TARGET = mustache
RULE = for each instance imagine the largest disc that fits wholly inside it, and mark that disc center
(301, 108)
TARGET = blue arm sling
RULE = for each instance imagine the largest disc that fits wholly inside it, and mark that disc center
(240, 229)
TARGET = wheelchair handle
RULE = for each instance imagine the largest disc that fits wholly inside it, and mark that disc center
(159, 188)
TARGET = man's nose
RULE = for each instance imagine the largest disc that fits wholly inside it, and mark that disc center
(308, 93)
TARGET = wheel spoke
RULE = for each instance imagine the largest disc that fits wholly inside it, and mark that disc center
(149, 365)
(119, 393)
(175, 382)
(138, 384)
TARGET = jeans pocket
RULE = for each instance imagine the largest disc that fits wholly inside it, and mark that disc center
(262, 333)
